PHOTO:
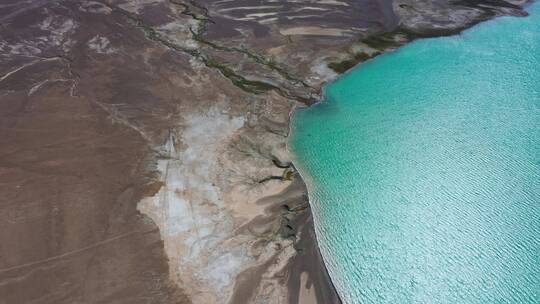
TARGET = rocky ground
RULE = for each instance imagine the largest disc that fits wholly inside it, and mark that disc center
(143, 143)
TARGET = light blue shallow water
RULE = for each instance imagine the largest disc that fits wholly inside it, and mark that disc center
(423, 168)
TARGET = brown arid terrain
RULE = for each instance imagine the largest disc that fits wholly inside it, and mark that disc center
(143, 148)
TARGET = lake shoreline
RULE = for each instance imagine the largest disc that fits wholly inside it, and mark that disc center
(395, 44)
(144, 142)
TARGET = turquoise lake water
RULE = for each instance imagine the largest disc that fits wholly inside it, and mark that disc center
(423, 168)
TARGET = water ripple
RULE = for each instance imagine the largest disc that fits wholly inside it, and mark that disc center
(424, 170)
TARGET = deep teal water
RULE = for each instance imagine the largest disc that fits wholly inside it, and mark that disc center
(423, 168)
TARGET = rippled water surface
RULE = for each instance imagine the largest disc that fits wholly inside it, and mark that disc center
(424, 170)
